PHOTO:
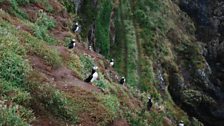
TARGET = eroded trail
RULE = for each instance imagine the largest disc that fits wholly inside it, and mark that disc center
(62, 77)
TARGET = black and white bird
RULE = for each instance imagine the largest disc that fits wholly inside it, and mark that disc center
(93, 76)
(76, 27)
(149, 103)
(111, 62)
(72, 44)
(181, 123)
(90, 48)
(122, 81)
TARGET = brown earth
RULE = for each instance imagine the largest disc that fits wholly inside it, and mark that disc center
(120, 122)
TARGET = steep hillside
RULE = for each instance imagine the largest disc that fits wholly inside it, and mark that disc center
(42, 81)
(157, 47)
(154, 46)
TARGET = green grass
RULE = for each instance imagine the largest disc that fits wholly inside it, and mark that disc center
(15, 10)
(13, 67)
(38, 47)
(41, 27)
(120, 42)
(87, 65)
(54, 101)
(102, 27)
(13, 72)
(111, 103)
(74, 63)
(68, 5)
(131, 63)
(15, 115)
(11, 92)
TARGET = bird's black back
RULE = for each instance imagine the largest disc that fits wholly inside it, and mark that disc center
(93, 71)
(74, 27)
(89, 78)
(70, 45)
(149, 104)
(121, 81)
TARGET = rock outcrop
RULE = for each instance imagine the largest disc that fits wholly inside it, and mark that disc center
(201, 92)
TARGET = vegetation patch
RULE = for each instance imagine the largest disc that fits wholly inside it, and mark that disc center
(41, 27)
(102, 27)
(87, 64)
(15, 115)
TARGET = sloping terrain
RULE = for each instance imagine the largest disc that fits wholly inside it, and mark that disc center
(42, 81)
(154, 46)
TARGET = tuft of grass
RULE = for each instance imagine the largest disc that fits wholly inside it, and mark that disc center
(41, 27)
(13, 67)
(9, 42)
(102, 82)
(44, 20)
(111, 103)
(87, 64)
(71, 7)
(15, 115)
(13, 93)
(15, 10)
(74, 64)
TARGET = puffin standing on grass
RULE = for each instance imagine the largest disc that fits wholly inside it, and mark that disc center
(149, 103)
(93, 76)
(122, 81)
(71, 45)
(111, 62)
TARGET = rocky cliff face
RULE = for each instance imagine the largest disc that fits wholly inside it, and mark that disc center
(208, 16)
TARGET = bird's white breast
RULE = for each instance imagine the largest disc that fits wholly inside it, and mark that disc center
(95, 76)
(77, 29)
(181, 124)
(111, 63)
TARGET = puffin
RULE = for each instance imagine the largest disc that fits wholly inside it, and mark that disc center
(122, 81)
(72, 44)
(111, 62)
(76, 27)
(181, 123)
(149, 103)
(90, 48)
(93, 76)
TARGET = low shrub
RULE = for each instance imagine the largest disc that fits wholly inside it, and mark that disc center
(13, 67)
(111, 103)
(13, 93)
(87, 65)
(41, 27)
(14, 115)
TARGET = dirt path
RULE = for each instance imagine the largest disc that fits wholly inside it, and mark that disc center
(62, 77)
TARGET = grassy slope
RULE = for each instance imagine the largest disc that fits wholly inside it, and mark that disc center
(28, 94)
